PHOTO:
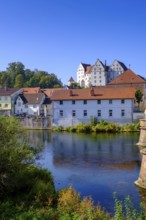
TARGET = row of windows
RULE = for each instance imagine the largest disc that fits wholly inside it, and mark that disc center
(98, 101)
(5, 105)
(99, 113)
(4, 98)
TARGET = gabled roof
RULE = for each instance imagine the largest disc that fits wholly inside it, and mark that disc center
(95, 93)
(31, 90)
(127, 77)
(85, 66)
(88, 69)
(49, 92)
(71, 79)
(98, 60)
(8, 91)
(35, 98)
(122, 64)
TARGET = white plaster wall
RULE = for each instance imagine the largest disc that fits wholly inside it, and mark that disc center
(92, 107)
(19, 109)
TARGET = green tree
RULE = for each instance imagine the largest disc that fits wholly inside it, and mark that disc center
(18, 175)
(19, 81)
(138, 96)
(4, 79)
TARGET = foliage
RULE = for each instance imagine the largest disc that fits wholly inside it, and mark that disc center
(75, 85)
(93, 120)
(138, 96)
(17, 174)
(125, 210)
(101, 126)
(131, 127)
(17, 76)
(70, 206)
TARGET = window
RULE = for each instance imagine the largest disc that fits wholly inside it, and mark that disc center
(122, 101)
(122, 112)
(0, 105)
(26, 106)
(73, 113)
(110, 101)
(85, 102)
(73, 102)
(61, 113)
(110, 113)
(61, 102)
(6, 98)
(19, 103)
(99, 113)
(85, 112)
(34, 106)
(6, 105)
(98, 101)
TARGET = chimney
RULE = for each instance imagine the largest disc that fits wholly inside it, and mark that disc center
(92, 91)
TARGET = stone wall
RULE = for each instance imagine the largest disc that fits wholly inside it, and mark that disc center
(36, 122)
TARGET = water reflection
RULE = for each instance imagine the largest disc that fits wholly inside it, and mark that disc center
(95, 165)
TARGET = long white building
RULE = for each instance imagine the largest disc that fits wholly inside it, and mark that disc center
(71, 107)
(99, 74)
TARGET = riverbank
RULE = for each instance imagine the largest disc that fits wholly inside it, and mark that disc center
(101, 126)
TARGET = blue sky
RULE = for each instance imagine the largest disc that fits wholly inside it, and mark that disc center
(56, 35)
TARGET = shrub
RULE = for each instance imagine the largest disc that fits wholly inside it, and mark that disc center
(68, 201)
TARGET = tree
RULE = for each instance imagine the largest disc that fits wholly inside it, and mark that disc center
(138, 96)
(18, 175)
(19, 81)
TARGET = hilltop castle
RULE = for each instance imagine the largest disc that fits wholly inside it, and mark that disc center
(99, 74)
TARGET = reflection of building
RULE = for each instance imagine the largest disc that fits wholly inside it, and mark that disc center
(71, 107)
(110, 152)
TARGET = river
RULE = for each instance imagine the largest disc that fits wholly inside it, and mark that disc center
(95, 165)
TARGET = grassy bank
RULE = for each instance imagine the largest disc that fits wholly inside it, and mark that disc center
(64, 205)
(101, 126)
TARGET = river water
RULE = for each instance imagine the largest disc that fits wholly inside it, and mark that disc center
(95, 165)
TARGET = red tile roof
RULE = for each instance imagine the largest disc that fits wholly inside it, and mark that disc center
(8, 91)
(34, 98)
(95, 93)
(31, 90)
(49, 92)
(127, 77)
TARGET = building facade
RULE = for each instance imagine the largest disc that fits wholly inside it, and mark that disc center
(29, 104)
(7, 100)
(71, 107)
(99, 74)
